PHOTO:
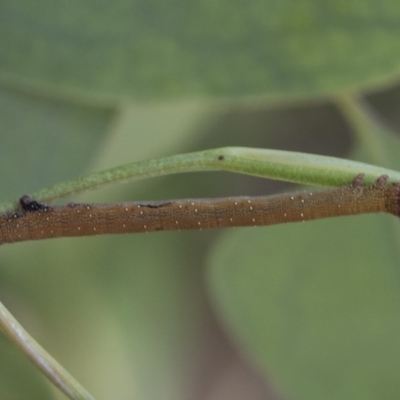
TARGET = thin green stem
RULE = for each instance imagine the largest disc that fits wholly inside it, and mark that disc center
(375, 136)
(367, 128)
(47, 364)
(275, 164)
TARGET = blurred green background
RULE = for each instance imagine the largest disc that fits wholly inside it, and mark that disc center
(303, 311)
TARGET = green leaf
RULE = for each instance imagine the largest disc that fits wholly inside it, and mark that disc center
(45, 139)
(185, 48)
(315, 305)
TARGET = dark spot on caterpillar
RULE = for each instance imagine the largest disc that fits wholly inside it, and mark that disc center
(28, 204)
(221, 158)
(155, 205)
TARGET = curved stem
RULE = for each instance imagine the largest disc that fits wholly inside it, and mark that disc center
(43, 361)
